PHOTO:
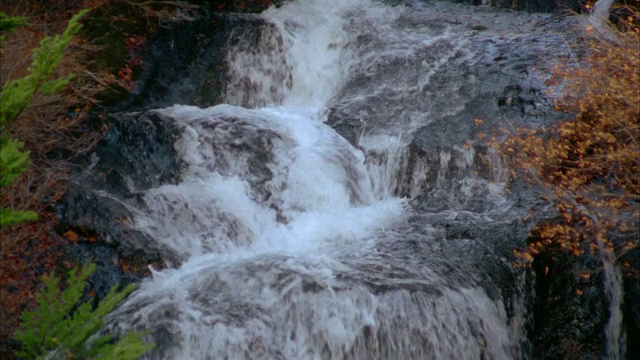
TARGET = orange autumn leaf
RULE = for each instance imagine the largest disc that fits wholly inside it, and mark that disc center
(71, 236)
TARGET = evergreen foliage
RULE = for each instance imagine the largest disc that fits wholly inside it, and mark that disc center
(62, 327)
(12, 163)
(15, 97)
(10, 23)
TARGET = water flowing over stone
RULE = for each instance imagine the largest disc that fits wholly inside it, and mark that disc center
(338, 204)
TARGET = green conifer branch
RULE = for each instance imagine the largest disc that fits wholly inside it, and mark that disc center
(12, 160)
(15, 97)
(12, 163)
(61, 325)
(10, 23)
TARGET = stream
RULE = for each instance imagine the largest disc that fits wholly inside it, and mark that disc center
(336, 203)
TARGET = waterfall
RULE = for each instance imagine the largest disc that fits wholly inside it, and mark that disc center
(286, 237)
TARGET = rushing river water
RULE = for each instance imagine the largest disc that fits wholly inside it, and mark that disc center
(288, 238)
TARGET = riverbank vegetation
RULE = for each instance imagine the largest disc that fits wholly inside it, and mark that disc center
(61, 323)
(40, 112)
(63, 326)
(587, 167)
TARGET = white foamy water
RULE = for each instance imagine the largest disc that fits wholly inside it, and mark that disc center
(283, 241)
(315, 36)
(319, 189)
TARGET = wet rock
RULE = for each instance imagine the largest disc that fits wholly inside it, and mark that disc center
(448, 94)
(570, 312)
(529, 5)
(249, 43)
(185, 62)
(482, 245)
(108, 270)
(136, 154)
(631, 310)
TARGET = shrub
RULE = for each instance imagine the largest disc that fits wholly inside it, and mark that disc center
(588, 166)
(62, 326)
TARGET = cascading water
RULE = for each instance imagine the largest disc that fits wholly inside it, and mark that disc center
(290, 241)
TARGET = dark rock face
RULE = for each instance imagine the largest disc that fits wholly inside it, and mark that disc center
(548, 6)
(232, 138)
(486, 246)
(631, 312)
(183, 65)
(186, 64)
(570, 313)
(136, 154)
(471, 89)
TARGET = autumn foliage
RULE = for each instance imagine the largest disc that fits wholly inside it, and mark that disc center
(588, 166)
